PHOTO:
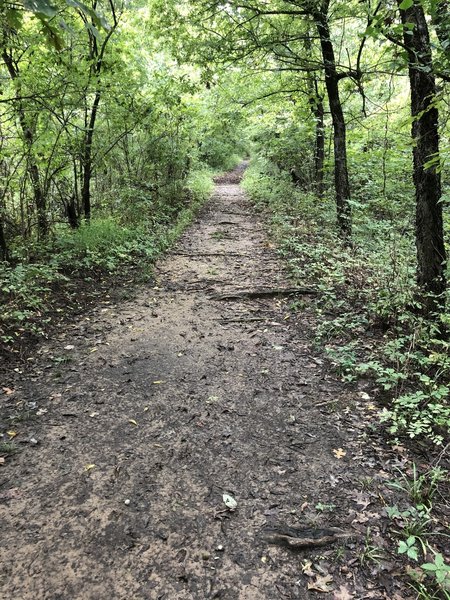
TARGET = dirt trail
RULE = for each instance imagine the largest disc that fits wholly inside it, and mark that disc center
(168, 402)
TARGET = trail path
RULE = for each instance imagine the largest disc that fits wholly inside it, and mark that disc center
(168, 402)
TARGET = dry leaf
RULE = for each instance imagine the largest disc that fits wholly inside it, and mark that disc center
(2, 460)
(8, 391)
(159, 381)
(132, 421)
(343, 593)
(339, 453)
(362, 500)
(307, 568)
(12, 434)
(89, 467)
(321, 584)
(229, 501)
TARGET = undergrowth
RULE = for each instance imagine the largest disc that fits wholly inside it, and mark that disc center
(369, 324)
(30, 282)
(370, 320)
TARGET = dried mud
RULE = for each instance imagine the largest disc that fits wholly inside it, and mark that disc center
(144, 413)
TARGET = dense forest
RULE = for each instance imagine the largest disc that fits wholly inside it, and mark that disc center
(116, 115)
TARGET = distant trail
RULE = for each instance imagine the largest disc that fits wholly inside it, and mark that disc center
(170, 401)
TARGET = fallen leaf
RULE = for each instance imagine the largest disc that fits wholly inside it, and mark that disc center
(364, 396)
(94, 414)
(158, 382)
(8, 391)
(321, 584)
(339, 453)
(89, 467)
(343, 593)
(2, 460)
(93, 350)
(12, 434)
(229, 501)
(307, 568)
(362, 500)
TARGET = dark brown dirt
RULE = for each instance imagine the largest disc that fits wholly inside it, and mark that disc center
(135, 421)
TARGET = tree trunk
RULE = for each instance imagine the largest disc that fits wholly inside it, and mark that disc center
(319, 150)
(341, 180)
(87, 158)
(431, 257)
(4, 253)
(28, 135)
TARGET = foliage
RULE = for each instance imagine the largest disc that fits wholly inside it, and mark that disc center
(366, 293)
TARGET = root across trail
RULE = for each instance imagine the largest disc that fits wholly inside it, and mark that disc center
(169, 432)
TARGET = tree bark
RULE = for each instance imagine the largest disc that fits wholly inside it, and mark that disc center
(39, 196)
(319, 150)
(341, 179)
(431, 256)
(4, 253)
(87, 158)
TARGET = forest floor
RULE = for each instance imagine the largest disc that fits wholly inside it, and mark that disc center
(138, 418)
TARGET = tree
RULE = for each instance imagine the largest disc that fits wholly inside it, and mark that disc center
(431, 255)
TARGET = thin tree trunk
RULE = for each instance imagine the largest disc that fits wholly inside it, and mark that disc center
(431, 256)
(33, 168)
(319, 150)
(87, 158)
(341, 179)
(4, 253)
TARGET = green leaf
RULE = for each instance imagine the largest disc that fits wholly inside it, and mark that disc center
(40, 7)
(406, 4)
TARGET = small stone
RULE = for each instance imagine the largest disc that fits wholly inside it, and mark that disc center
(33, 441)
(220, 548)
(206, 555)
(127, 502)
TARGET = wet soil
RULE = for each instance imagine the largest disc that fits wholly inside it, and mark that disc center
(137, 419)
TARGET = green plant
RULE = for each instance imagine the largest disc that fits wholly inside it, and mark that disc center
(409, 547)
(325, 507)
(370, 553)
(420, 487)
(439, 569)
(8, 448)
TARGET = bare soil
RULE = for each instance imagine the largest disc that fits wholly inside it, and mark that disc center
(135, 421)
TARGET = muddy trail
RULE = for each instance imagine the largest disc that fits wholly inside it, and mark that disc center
(176, 444)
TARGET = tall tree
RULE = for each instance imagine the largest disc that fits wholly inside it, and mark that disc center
(431, 255)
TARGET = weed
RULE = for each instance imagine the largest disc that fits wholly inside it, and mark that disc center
(370, 552)
(420, 488)
(8, 448)
(325, 507)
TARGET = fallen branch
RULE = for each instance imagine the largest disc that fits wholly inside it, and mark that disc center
(296, 539)
(269, 293)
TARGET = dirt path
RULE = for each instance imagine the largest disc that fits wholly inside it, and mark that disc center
(146, 413)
